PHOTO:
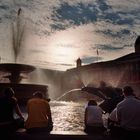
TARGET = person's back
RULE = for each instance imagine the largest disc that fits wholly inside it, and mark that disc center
(128, 112)
(7, 106)
(37, 109)
(93, 118)
(124, 121)
(39, 113)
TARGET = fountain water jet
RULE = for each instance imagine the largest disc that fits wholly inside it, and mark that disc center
(78, 89)
(16, 70)
(17, 34)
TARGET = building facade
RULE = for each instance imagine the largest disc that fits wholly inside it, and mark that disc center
(118, 72)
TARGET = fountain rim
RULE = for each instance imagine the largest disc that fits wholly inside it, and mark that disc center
(10, 67)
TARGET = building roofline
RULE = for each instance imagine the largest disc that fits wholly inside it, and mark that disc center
(124, 59)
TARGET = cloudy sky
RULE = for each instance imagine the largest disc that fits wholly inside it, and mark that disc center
(52, 34)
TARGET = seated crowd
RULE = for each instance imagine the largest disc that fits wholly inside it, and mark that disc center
(124, 119)
(39, 114)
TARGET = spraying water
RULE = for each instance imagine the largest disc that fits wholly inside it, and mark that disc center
(17, 34)
(78, 89)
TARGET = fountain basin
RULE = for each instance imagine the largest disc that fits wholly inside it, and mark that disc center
(23, 92)
(11, 67)
(15, 70)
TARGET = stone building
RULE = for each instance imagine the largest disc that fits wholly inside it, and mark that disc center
(119, 72)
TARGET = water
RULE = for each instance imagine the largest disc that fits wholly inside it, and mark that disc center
(18, 30)
(68, 116)
(59, 98)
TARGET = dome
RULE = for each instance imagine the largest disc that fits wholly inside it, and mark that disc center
(137, 45)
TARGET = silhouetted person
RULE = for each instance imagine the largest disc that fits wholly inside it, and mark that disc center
(8, 104)
(108, 91)
(110, 95)
(93, 118)
(128, 113)
(103, 91)
(95, 91)
(39, 114)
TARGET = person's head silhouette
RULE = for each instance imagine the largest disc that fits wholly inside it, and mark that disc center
(92, 102)
(38, 94)
(128, 91)
(102, 84)
(9, 92)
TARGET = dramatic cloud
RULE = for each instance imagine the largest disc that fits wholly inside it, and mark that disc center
(57, 32)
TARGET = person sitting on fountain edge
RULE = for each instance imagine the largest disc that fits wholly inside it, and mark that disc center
(39, 114)
(8, 103)
(93, 118)
(127, 114)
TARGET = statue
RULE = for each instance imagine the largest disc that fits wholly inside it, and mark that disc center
(111, 95)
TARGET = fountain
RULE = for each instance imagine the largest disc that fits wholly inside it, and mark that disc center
(111, 96)
(15, 75)
(15, 72)
(60, 97)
